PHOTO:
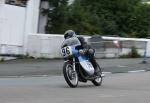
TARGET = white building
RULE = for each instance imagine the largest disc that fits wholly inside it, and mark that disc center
(18, 19)
(16, 23)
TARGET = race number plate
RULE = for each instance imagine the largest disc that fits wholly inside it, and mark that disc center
(66, 51)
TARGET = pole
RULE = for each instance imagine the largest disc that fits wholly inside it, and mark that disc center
(145, 54)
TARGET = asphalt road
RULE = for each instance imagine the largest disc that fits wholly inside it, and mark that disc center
(38, 67)
(116, 88)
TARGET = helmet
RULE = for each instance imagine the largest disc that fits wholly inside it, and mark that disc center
(69, 34)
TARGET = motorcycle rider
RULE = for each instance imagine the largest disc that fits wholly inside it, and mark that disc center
(84, 48)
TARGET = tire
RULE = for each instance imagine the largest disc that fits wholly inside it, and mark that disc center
(99, 79)
(70, 76)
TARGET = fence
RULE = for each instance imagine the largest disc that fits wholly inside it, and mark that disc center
(109, 48)
(48, 46)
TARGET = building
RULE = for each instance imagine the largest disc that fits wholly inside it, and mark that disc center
(21, 3)
(18, 18)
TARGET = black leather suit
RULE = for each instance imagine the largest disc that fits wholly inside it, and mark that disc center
(89, 51)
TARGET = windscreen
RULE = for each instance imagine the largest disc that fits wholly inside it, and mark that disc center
(71, 42)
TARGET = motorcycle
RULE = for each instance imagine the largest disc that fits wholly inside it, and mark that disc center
(77, 66)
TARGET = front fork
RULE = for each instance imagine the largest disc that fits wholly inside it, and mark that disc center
(72, 73)
(74, 65)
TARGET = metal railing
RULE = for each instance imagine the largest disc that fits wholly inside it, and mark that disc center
(107, 48)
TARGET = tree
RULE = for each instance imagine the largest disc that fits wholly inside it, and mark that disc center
(105, 17)
(81, 21)
(57, 15)
(113, 14)
(140, 21)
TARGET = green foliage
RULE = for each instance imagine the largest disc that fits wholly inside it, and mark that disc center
(2, 59)
(140, 22)
(81, 21)
(133, 54)
(107, 17)
(57, 16)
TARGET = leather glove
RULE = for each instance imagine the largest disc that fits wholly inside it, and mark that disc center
(82, 52)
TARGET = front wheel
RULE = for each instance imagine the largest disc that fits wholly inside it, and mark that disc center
(99, 78)
(70, 75)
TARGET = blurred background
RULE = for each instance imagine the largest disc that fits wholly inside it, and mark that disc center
(34, 28)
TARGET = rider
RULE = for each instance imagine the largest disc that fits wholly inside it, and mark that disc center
(84, 48)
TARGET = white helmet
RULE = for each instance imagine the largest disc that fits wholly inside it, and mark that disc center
(69, 34)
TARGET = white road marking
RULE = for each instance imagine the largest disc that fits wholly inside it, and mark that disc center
(136, 71)
(109, 96)
(122, 66)
(106, 72)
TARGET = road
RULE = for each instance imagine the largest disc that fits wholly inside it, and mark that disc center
(116, 88)
(41, 81)
(37, 67)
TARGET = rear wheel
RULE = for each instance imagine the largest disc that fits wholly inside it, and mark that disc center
(70, 75)
(99, 79)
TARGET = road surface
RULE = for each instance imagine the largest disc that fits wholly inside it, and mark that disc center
(116, 88)
(33, 67)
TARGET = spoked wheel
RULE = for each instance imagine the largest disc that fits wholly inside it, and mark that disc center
(99, 78)
(70, 75)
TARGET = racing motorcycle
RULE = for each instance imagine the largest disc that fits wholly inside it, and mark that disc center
(77, 67)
